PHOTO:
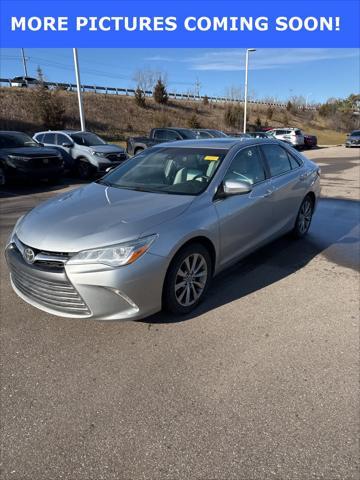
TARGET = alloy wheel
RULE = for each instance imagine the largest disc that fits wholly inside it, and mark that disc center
(191, 279)
(304, 218)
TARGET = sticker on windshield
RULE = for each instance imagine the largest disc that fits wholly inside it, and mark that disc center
(211, 158)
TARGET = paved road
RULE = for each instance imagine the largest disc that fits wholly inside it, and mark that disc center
(261, 383)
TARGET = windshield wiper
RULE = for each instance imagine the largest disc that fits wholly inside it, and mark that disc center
(103, 182)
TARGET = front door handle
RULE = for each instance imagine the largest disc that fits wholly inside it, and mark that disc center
(268, 193)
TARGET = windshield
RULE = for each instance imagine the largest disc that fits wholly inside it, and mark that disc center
(16, 139)
(182, 171)
(203, 134)
(87, 139)
(356, 133)
(189, 134)
(218, 133)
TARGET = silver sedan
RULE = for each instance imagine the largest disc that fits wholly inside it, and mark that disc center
(152, 233)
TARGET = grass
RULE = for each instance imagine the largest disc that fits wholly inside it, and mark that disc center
(117, 117)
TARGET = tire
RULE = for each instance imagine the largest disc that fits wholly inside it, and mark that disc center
(84, 169)
(183, 296)
(304, 217)
(3, 180)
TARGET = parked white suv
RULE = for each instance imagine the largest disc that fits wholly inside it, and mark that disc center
(84, 152)
(289, 135)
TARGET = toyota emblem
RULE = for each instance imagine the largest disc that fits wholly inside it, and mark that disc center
(29, 255)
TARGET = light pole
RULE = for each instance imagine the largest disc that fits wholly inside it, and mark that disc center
(24, 62)
(248, 50)
(78, 85)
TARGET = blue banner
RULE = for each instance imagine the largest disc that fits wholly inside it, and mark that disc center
(154, 24)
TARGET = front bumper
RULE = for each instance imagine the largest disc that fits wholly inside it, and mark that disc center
(91, 291)
(29, 173)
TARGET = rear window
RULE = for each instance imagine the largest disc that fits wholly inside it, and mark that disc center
(277, 158)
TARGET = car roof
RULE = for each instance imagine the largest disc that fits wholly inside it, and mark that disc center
(12, 131)
(68, 132)
(216, 143)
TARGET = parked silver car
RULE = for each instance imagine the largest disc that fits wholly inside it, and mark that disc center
(153, 232)
(293, 136)
(353, 139)
(85, 152)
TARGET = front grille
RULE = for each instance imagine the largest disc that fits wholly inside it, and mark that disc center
(44, 258)
(45, 162)
(58, 295)
(116, 157)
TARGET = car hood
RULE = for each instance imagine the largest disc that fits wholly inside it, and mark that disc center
(30, 151)
(95, 216)
(107, 149)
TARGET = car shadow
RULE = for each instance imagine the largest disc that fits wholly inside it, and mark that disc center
(21, 188)
(334, 233)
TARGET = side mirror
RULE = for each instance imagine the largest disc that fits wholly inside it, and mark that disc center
(67, 144)
(41, 144)
(236, 187)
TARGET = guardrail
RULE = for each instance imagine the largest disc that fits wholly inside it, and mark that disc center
(176, 96)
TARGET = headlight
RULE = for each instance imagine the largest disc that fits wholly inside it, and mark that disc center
(13, 159)
(114, 255)
(14, 230)
(98, 154)
(18, 157)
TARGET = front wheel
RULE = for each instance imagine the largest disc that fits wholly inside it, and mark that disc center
(2, 177)
(187, 279)
(304, 217)
(85, 169)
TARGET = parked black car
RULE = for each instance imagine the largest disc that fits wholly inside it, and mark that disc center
(158, 135)
(23, 157)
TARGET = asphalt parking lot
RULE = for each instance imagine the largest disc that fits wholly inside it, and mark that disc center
(260, 383)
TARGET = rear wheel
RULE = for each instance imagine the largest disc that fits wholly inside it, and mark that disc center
(304, 217)
(187, 279)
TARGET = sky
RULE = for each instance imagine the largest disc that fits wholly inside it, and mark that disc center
(317, 74)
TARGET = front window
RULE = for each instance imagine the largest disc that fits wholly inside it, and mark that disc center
(356, 133)
(16, 139)
(247, 166)
(87, 139)
(182, 171)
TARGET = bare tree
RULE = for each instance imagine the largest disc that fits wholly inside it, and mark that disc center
(146, 78)
(234, 93)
